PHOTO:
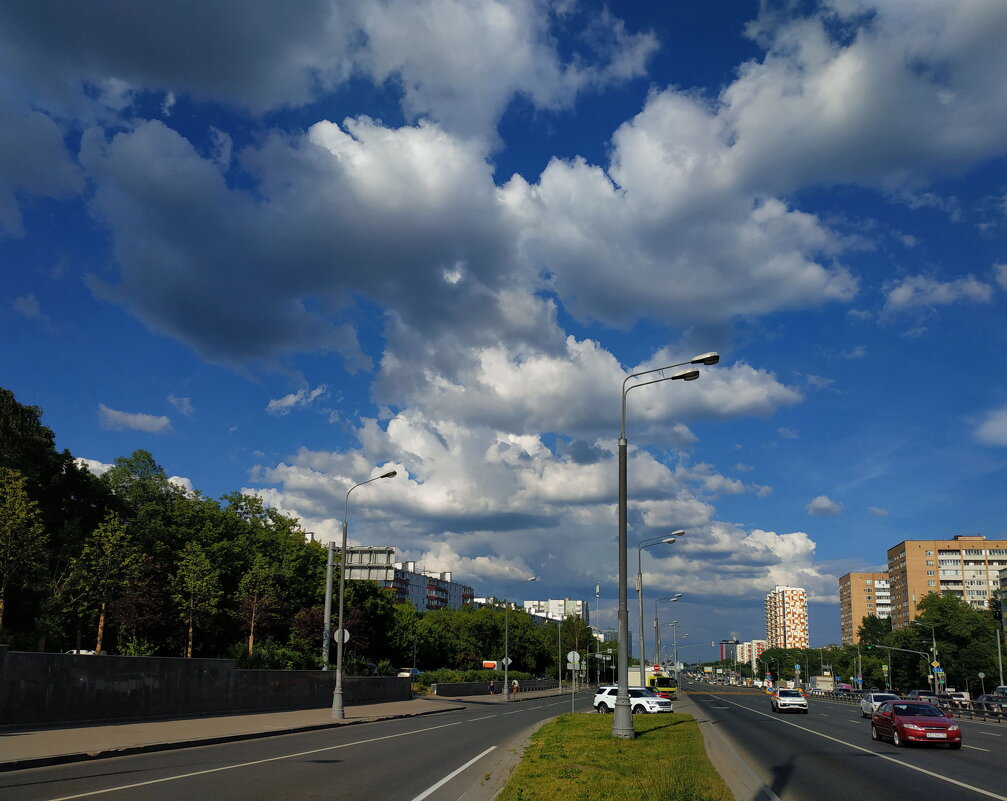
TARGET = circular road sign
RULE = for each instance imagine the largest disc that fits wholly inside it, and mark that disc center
(573, 656)
(340, 635)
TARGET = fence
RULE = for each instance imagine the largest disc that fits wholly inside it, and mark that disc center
(40, 689)
(990, 711)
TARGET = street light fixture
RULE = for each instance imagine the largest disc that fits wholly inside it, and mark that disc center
(338, 711)
(933, 651)
(650, 542)
(506, 659)
(657, 624)
(622, 720)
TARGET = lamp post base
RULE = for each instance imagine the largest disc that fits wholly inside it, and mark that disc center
(622, 723)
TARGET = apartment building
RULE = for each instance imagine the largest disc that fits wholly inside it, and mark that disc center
(860, 595)
(787, 618)
(426, 590)
(967, 567)
(559, 609)
(749, 651)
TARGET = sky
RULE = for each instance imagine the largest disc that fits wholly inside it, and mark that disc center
(287, 252)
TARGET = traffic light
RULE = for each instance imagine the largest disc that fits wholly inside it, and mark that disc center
(870, 647)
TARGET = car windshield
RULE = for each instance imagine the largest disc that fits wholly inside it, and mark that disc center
(882, 697)
(790, 694)
(641, 694)
(918, 710)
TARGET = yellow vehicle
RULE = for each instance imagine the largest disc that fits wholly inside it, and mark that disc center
(655, 680)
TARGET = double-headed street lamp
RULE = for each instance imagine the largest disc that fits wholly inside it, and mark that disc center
(657, 624)
(933, 651)
(674, 636)
(506, 659)
(622, 720)
(650, 542)
(338, 711)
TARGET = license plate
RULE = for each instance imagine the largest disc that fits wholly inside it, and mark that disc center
(936, 735)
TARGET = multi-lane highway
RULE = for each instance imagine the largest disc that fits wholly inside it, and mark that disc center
(828, 754)
(436, 758)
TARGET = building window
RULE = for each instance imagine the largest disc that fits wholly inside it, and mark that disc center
(931, 583)
(930, 553)
(930, 572)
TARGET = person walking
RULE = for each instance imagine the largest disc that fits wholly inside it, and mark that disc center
(513, 687)
(493, 687)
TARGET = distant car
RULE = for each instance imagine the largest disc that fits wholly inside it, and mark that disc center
(640, 700)
(872, 701)
(410, 673)
(905, 722)
(992, 702)
(921, 695)
(784, 699)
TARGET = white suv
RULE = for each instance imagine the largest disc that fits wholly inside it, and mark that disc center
(783, 699)
(640, 700)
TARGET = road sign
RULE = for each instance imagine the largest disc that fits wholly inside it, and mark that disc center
(341, 635)
(506, 661)
(935, 664)
(797, 667)
(982, 675)
(573, 656)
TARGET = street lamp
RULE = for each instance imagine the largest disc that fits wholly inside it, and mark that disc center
(650, 542)
(657, 625)
(338, 711)
(933, 651)
(674, 635)
(622, 720)
(506, 659)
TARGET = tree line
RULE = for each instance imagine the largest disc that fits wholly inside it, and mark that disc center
(130, 563)
(966, 640)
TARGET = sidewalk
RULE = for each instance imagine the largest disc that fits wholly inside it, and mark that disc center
(38, 747)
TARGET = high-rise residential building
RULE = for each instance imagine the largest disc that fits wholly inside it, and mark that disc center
(425, 590)
(749, 651)
(860, 595)
(729, 651)
(967, 567)
(787, 618)
(559, 609)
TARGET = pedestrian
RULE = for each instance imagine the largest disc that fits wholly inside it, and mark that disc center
(513, 686)
(493, 687)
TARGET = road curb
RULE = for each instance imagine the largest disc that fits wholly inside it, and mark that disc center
(86, 756)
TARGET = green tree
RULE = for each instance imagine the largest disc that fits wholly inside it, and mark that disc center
(196, 586)
(874, 629)
(258, 595)
(22, 535)
(106, 567)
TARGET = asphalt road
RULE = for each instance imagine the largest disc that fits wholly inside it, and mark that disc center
(443, 757)
(828, 754)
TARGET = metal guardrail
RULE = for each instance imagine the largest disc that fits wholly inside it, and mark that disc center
(989, 711)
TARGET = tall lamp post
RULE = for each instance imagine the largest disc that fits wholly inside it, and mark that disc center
(338, 711)
(933, 651)
(622, 720)
(506, 659)
(657, 624)
(650, 542)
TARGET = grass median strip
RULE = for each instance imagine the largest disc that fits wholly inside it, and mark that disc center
(575, 757)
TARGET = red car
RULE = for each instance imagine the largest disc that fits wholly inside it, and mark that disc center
(905, 722)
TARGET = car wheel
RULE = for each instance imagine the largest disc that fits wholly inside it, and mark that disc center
(638, 710)
(896, 740)
(874, 733)
(804, 711)
(955, 746)
(602, 709)
(862, 713)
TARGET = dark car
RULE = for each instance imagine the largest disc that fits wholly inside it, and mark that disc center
(905, 722)
(921, 694)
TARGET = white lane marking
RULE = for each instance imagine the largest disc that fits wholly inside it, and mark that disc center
(453, 773)
(988, 733)
(975, 748)
(484, 717)
(947, 779)
(721, 707)
(249, 764)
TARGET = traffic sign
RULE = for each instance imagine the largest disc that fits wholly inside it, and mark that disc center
(573, 656)
(935, 664)
(341, 635)
(797, 667)
(506, 661)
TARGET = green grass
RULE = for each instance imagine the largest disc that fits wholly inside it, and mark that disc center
(575, 758)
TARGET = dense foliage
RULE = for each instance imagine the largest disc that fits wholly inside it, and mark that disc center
(130, 563)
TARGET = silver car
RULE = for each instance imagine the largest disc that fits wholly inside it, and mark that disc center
(871, 701)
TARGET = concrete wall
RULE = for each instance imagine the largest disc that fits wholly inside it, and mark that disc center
(56, 688)
(483, 688)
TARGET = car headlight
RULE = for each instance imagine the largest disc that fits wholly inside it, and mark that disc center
(953, 727)
(912, 727)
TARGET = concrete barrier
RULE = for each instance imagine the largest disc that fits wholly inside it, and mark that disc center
(39, 689)
(455, 688)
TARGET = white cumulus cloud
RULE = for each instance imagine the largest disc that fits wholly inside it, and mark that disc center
(824, 505)
(132, 421)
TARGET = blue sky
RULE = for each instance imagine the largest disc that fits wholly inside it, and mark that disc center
(284, 252)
